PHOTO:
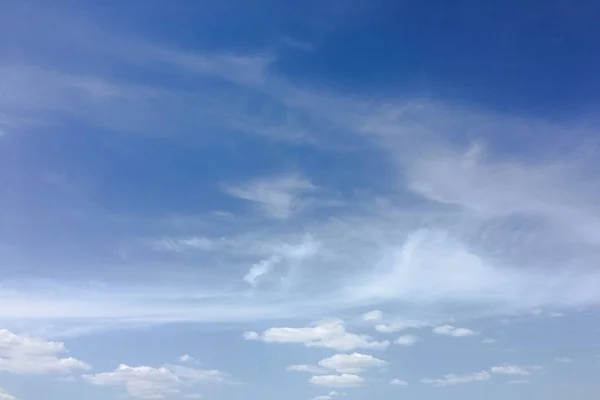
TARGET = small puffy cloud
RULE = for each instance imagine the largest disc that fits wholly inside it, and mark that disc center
(449, 330)
(27, 355)
(517, 382)
(407, 340)
(398, 382)
(337, 381)
(453, 379)
(311, 369)
(249, 335)
(511, 369)
(186, 358)
(374, 315)
(150, 383)
(329, 396)
(564, 360)
(329, 334)
(279, 197)
(4, 395)
(351, 363)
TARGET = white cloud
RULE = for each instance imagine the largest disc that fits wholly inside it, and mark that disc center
(29, 355)
(374, 315)
(329, 396)
(279, 197)
(311, 369)
(140, 382)
(407, 340)
(289, 253)
(186, 358)
(145, 382)
(564, 360)
(510, 369)
(4, 395)
(400, 325)
(453, 379)
(472, 183)
(517, 382)
(354, 363)
(398, 382)
(337, 381)
(328, 334)
(261, 268)
(182, 244)
(449, 330)
(249, 335)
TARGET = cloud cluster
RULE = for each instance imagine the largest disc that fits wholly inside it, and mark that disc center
(145, 382)
(330, 334)
(28, 355)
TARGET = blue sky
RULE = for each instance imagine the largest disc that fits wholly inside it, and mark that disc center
(310, 200)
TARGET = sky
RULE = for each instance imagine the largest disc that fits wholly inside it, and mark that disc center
(318, 200)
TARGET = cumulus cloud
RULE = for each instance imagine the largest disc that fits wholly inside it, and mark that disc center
(330, 334)
(140, 382)
(407, 340)
(449, 330)
(4, 395)
(454, 379)
(145, 382)
(398, 382)
(186, 358)
(311, 369)
(329, 396)
(337, 381)
(28, 355)
(354, 363)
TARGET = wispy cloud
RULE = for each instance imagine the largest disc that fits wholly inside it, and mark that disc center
(337, 381)
(453, 379)
(279, 197)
